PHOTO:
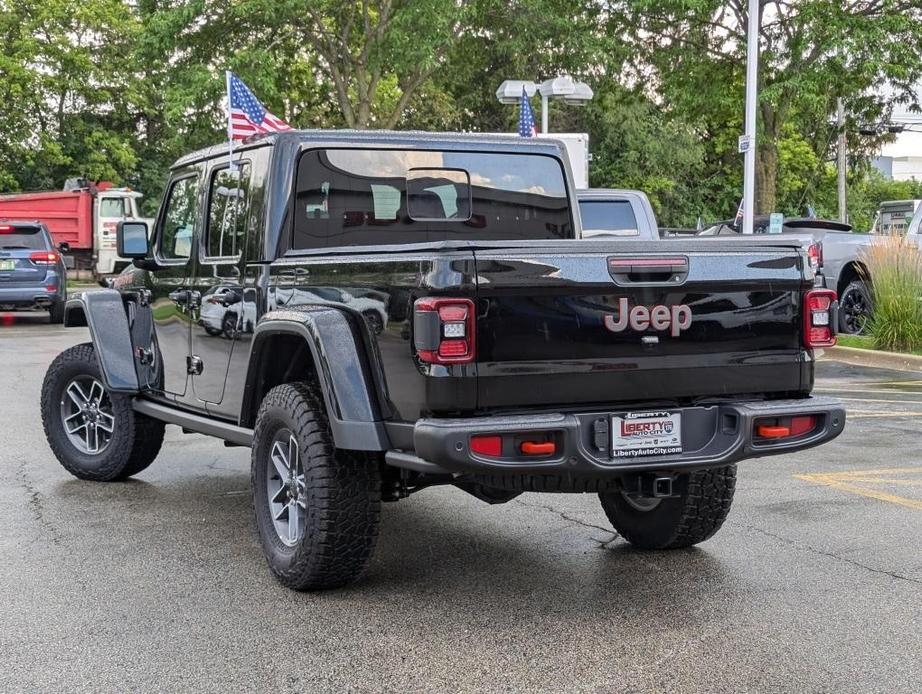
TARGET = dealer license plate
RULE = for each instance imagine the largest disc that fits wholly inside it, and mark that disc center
(7, 265)
(637, 434)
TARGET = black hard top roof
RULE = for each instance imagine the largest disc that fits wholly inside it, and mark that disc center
(388, 139)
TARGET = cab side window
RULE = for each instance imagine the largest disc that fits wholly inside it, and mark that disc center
(228, 201)
(179, 219)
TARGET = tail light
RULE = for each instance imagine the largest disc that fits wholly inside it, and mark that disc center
(443, 330)
(7, 229)
(815, 256)
(819, 317)
(43, 257)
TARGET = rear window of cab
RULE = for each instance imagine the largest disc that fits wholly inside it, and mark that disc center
(357, 197)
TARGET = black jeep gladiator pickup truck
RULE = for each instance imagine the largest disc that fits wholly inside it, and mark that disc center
(376, 313)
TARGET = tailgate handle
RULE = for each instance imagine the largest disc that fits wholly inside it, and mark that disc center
(648, 270)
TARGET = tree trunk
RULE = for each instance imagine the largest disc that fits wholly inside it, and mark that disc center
(767, 162)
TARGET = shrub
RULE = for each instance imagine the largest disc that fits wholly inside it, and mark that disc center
(895, 267)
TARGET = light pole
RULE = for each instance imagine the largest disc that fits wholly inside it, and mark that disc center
(562, 87)
(752, 76)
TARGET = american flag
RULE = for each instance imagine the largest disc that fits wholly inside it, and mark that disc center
(246, 115)
(526, 117)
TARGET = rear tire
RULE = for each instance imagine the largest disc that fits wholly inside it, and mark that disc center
(699, 508)
(56, 312)
(317, 508)
(130, 446)
(855, 308)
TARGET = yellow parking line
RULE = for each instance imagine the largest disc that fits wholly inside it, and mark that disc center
(885, 480)
(837, 480)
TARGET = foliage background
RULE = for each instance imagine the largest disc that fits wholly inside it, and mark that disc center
(118, 89)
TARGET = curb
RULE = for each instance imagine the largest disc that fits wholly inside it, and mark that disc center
(874, 358)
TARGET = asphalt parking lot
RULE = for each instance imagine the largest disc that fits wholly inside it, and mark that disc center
(813, 585)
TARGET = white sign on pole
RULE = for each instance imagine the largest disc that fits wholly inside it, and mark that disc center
(745, 142)
(775, 220)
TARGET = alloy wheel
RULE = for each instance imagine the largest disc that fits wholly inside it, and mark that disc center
(86, 413)
(286, 488)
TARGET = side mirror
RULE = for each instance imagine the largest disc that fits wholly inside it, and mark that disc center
(131, 239)
(64, 247)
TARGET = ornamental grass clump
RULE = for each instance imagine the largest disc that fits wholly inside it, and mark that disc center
(895, 268)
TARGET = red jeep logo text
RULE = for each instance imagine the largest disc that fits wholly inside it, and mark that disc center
(675, 319)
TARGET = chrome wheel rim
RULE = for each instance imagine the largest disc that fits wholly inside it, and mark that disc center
(285, 488)
(86, 413)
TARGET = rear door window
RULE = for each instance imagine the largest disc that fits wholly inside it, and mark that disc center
(350, 197)
(228, 203)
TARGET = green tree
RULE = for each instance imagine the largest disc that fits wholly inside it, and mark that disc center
(812, 51)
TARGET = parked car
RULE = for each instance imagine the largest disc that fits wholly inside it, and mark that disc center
(32, 273)
(834, 249)
(617, 212)
(84, 216)
(526, 361)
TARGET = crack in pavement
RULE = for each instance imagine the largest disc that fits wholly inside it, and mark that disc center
(571, 519)
(832, 555)
(36, 505)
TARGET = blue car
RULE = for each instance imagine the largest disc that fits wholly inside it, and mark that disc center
(32, 273)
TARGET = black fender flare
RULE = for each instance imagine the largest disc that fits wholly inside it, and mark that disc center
(342, 368)
(103, 312)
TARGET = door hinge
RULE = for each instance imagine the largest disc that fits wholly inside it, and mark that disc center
(194, 365)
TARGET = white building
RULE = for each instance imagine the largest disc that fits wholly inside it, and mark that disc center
(901, 160)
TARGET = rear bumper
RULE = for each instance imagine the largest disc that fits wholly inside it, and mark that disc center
(27, 297)
(712, 436)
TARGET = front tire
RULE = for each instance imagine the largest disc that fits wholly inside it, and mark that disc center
(94, 434)
(317, 508)
(699, 508)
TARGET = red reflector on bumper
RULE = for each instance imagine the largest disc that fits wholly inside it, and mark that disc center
(487, 445)
(768, 431)
(532, 448)
(801, 425)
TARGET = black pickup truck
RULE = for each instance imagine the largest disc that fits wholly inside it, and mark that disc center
(377, 313)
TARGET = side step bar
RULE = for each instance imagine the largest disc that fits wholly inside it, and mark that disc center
(194, 422)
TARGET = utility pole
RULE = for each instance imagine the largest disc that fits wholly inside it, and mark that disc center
(840, 159)
(752, 78)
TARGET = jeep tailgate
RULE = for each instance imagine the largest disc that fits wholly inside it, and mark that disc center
(717, 318)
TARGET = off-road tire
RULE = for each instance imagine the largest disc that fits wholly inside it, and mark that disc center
(855, 296)
(700, 506)
(343, 490)
(56, 312)
(136, 439)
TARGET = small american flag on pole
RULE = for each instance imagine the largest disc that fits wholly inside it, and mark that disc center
(245, 114)
(526, 116)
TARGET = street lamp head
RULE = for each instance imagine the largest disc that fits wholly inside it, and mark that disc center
(582, 93)
(510, 91)
(556, 87)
